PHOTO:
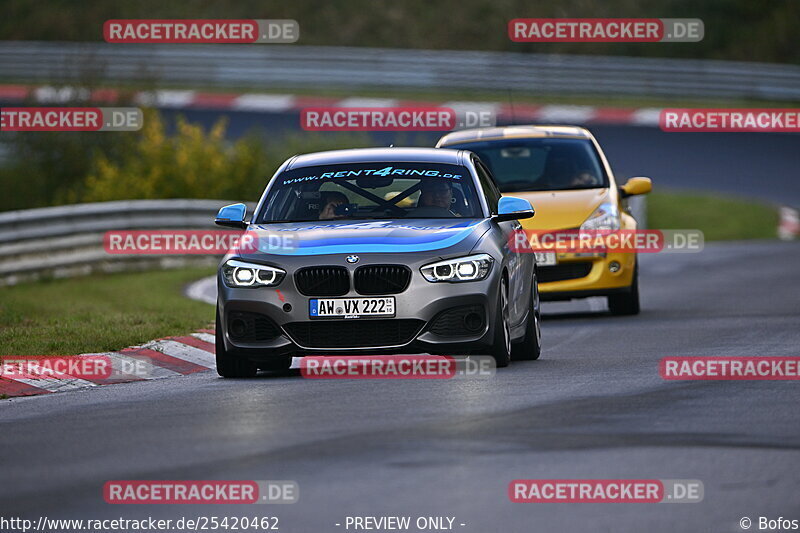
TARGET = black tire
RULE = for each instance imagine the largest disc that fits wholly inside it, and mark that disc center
(501, 348)
(626, 303)
(530, 347)
(230, 366)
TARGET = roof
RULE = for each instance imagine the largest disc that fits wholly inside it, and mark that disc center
(514, 132)
(361, 155)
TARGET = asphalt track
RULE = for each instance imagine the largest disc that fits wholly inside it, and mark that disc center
(594, 406)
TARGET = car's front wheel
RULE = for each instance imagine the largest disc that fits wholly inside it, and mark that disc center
(501, 348)
(530, 347)
(228, 365)
(626, 303)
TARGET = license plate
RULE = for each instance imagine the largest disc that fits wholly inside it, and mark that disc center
(350, 307)
(545, 258)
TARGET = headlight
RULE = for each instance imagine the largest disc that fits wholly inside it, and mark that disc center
(605, 217)
(241, 274)
(471, 268)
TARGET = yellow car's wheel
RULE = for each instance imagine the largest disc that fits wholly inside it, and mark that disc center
(626, 303)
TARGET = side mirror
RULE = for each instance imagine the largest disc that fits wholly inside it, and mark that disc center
(511, 208)
(232, 216)
(636, 186)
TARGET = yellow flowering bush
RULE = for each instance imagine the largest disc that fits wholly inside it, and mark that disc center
(194, 163)
(190, 164)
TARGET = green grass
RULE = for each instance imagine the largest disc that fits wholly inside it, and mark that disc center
(718, 217)
(99, 313)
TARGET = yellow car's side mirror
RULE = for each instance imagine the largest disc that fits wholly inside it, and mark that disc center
(636, 186)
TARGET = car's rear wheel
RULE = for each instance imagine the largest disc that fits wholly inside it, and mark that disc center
(530, 347)
(228, 365)
(501, 348)
(626, 303)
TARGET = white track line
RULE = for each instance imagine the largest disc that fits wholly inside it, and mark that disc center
(263, 102)
(138, 367)
(183, 351)
(204, 290)
(460, 106)
(56, 385)
(165, 98)
(646, 116)
(566, 113)
(206, 337)
(60, 95)
(367, 102)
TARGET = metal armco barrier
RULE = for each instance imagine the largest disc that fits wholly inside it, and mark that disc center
(292, 66)
(64, 241)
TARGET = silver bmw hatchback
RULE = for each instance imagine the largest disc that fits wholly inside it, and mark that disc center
(377, 251)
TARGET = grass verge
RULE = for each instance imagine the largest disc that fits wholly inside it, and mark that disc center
(718, 217)
(99, 313)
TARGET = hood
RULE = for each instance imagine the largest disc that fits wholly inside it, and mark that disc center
(371, 236)
(562, 209)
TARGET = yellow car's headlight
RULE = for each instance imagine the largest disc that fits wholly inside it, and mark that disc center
(605, 217)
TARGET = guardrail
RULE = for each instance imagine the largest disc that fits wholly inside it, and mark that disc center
(65, 241)
(295, 66)
(56, 242)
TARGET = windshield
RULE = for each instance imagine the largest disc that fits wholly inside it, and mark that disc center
(372, 191)
(540, 164)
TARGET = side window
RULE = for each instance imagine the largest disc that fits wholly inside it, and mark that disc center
(488, 185)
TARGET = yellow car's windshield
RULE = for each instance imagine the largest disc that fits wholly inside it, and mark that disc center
(540, 164)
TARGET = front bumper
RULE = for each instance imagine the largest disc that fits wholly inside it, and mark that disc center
(593, 277)
(411, 330)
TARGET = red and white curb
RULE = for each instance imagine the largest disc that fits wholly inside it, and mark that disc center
(158, 359)
(789, 225)
(281, 103)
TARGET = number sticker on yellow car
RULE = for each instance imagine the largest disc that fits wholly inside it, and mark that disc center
(545, 258)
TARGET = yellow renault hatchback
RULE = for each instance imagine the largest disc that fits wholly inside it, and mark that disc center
(563, 172)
